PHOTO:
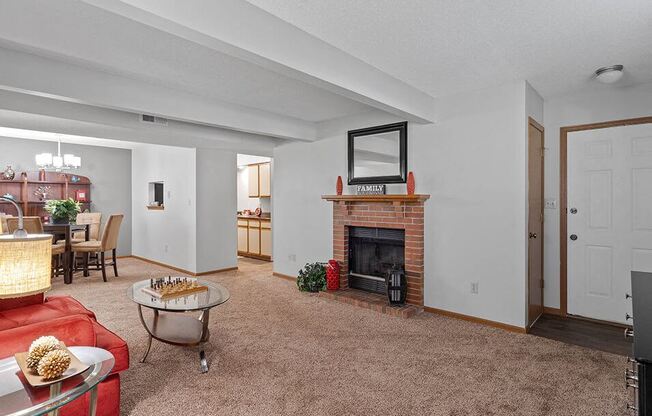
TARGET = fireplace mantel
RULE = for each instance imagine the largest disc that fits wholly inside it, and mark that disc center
(376, 198)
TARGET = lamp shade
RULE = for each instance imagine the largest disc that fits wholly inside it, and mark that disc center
(24, 265)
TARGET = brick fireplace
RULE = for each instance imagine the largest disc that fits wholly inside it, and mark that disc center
(403, 212)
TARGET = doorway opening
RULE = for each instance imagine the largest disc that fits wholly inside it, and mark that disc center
(254, 216)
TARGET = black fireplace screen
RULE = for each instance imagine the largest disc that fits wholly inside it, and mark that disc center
(372, 253)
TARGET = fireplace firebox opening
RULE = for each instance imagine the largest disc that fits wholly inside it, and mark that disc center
(373, 252)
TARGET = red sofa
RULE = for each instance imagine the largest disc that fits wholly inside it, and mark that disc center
(24, 319)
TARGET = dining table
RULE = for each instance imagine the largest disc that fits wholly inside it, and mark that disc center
(65, 231)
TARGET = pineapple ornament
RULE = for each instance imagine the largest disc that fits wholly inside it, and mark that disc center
(54, 364)
(39, 348)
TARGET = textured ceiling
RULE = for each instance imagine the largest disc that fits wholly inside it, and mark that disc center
(447, 46)
(74, 31)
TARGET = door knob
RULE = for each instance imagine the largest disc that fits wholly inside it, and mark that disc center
(533, 235)
(573, 210)
(573, 237)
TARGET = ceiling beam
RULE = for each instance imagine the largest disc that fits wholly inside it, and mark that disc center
(247, 32)
(29, 112)
(45, 77)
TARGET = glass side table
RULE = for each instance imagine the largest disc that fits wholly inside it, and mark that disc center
(178, 328)
(18, 398)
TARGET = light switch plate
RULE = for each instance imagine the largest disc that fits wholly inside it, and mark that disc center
(550, 203)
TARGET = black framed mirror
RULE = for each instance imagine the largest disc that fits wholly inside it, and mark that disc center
(378, 154)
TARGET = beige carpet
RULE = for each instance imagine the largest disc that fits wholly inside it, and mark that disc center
(276, 351)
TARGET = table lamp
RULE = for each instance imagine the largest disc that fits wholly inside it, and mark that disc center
(25, 261)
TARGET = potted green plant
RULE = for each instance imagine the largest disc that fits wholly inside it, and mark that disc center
(312, 278)
(62, 211)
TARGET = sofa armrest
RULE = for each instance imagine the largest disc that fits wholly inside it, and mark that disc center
(71, 330)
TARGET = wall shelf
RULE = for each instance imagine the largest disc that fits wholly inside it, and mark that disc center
(61, 186)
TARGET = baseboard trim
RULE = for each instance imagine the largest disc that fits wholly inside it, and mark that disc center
(226, 269)
(255, 256)
(285, 276)
(487, 322)
(551, 311)
(158, 263)
(128, 256)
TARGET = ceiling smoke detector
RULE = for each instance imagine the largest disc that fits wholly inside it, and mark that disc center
(609, 74)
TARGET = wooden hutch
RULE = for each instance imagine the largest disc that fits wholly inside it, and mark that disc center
(30, 192)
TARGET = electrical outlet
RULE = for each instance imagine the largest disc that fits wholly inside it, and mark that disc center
(475, 287)
(550, 203)
(292, 257)
(166, 248)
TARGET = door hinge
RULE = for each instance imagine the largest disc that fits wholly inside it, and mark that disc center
(542, 284)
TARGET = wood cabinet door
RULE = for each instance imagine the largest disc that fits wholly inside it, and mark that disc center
(265, 172)
(243, 246)
(254, 240)
(254, 184)
(266, 242)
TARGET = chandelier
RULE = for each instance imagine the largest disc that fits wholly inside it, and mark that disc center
(57, 162)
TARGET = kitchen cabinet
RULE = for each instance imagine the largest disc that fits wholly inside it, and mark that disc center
(260, 180)
(255, 238)
(266, 239)
(243, 235)
(265, 179)
(254, 188)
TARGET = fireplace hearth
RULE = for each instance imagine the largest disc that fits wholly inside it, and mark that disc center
(373, 252)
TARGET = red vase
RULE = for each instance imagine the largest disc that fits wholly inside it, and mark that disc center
(339, 187)
(332, 275)
(410, 183)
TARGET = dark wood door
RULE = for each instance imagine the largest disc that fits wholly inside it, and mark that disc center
(535, 221)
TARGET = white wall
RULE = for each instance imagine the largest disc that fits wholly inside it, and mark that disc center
(167, 236)
(604, 104)
(472, 162)
(216, 210)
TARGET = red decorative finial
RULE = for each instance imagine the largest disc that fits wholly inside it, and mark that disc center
(410, 183)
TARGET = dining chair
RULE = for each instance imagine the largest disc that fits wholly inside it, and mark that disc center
(92, 218)
(3, 223)
(108, 242)
(32, 225)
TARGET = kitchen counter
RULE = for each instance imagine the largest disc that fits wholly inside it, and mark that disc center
(253, 217)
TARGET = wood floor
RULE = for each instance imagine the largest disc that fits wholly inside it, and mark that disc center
(588, 334)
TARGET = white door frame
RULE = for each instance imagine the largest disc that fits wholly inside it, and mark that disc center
(563, 197)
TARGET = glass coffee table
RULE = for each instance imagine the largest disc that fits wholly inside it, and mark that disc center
(176, 328)
(18, 398)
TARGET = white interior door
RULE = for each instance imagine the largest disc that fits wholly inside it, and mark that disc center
(609, 217)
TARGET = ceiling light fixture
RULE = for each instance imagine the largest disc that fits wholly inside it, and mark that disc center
(609, 74)
(57, 162)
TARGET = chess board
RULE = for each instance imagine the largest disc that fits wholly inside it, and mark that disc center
(172, 287)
